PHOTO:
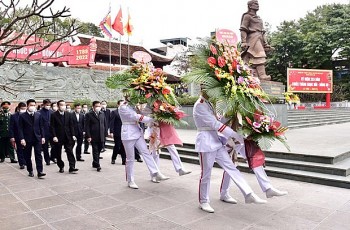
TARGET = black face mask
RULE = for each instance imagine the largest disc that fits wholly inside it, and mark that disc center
(6, 110)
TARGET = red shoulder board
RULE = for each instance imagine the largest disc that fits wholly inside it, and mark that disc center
(201, 101)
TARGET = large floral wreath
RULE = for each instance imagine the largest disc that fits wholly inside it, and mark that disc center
(146, 84)
(227, 80)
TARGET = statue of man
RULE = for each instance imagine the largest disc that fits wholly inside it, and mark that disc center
(254, 43)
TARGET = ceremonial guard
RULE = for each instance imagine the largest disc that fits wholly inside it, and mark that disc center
(168, 137)
(6, 148)
(132, 137)
(211, 149)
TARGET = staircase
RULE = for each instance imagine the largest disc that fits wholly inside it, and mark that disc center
(331, 171)
(316, 117)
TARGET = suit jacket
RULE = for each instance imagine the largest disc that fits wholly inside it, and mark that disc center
(95, 126)
(14, 126)
(63, 130)
(46, 116)
(78, 125)
(131, 129)
(107, 117)
(115, 126)
(31, 129)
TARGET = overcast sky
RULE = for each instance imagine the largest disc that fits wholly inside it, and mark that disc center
(160, 19)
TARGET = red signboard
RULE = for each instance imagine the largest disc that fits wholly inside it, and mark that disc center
(310, 80)
(226, 36)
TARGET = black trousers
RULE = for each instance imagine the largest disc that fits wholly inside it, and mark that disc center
(52, 152)
(6, 148)
(118, 149)
(96, 151)
(78, 146)
(37, 154)
(86, 144)
(68, 147)
(45, 149)
(20, 153)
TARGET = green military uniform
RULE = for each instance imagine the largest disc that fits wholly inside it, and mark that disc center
(6, 148)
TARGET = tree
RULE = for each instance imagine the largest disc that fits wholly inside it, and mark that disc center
(29, 26)
(313, 41)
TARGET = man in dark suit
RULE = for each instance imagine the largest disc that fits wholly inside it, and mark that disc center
(78, 123)
(63, 134)
(32, 135)
(86, 143)
(115, 130)
(14, 133)
(107, 117)
(45, 112)
(96, 132)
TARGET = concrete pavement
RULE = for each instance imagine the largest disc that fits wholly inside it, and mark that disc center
(92, 200)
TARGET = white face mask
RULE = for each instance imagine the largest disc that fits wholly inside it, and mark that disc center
(69, 109)
(31, 109)
(78, 110)
(97, 109)
(47, 107)
(62, 108)
(22, 110)
(85, 110)
(54, 108)
(104, 106)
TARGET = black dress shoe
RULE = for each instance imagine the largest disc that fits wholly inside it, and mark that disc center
(61, 170)
(113, 162)
(139, 160)
(48, 163)
(73, 170)
(99, 169)
(123, 163)
(31, 174)
(86, 152)
(21, 167)
(41, 174)
(100, 157)
(14, 161)
(80, 159)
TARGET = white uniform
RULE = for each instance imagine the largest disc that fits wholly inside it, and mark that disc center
(259, 172)
(132, 136)
(174, 155)
(211, 149)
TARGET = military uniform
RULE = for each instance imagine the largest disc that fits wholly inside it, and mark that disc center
(132, 136)
(211, 149)
(6, 148)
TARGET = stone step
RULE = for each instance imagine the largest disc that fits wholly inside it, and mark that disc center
(319, 120)
(299, 175)
(315, 124)
(299, 116)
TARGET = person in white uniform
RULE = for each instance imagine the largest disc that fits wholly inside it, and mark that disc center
(132, 136)
(260, 174)
(211, 149)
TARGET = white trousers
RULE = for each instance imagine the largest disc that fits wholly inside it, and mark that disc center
(174, 155)
(141, 146)
(260, 174)
(207, 160)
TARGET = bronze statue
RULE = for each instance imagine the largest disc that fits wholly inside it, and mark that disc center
(254, 44)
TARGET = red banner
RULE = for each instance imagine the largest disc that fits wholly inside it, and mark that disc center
(309, 81)
(226, 36)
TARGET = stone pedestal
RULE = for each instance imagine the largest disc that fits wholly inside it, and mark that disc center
(273, 89)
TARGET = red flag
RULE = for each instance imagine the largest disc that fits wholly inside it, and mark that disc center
(129, 27)
(118, 24)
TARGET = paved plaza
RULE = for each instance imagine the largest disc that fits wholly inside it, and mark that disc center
(92, 200)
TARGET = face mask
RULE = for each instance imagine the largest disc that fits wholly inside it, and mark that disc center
(62, 108)
(78, 110)
(47, 107)
(69, 109)
(31, 109)
(104, 106)
(54, 108)
(97, 109)
(22, 110)
(85, 110)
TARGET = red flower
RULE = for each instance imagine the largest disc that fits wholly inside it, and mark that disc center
(213, 50)
(148, 95)
(211, 61)
(180, 114)
(166, 90)
(221, 61)
(249, 121)
(234, 64)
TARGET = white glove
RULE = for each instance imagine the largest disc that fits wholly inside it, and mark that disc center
(55, 139)
(74, 138)
(23, 142)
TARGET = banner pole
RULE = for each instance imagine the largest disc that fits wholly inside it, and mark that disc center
(120, 52)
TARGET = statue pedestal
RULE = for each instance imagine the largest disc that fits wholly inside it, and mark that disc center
(273, 89)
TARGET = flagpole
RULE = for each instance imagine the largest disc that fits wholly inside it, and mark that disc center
(120, 52)
(110, 48)
(128, 50)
